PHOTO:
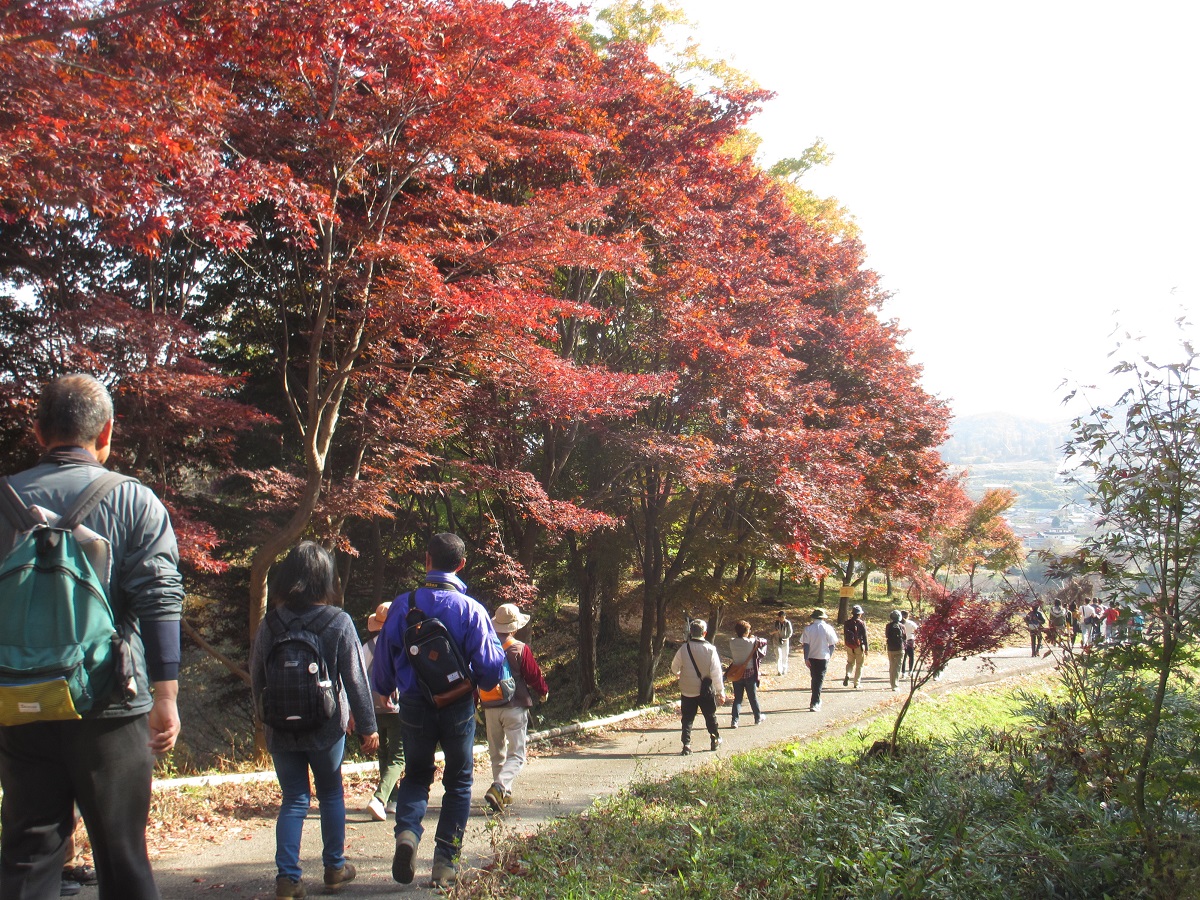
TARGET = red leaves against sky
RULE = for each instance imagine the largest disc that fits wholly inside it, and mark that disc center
(457, 220)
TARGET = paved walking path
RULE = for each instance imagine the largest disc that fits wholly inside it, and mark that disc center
(556, 782)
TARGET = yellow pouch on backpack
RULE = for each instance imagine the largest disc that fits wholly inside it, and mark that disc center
(45, 701)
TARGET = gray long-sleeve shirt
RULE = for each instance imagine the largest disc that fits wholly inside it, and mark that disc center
(145, 588)
(342, 652)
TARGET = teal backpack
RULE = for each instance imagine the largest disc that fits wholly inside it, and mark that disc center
(62, 654)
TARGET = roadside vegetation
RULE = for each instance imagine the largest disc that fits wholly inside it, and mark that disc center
(985, 800)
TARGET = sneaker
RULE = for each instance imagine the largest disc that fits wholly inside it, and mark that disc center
(445, 873)
(335, 878)
(495, 798)
(686, 751)
(715, 742)
(508, 798)
(846, 681)
(733, 724)
(816, 707)
(377, 810)
(69, 888)
(287, 889)
(760, 719)
(402, 861)
(80, 874)
(390, 809)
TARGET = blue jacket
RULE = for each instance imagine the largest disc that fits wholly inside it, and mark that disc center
(466, 620)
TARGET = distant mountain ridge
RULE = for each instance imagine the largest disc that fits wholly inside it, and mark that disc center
(1001, 438)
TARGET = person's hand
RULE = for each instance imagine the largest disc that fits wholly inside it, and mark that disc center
(350, 724)
(370, 742)
(164, 717)
(544, 697)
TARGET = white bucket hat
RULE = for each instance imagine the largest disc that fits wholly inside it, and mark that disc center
(509, 619)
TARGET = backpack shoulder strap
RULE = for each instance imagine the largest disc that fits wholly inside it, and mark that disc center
(89, 498)
(328, 615)
(14, 509)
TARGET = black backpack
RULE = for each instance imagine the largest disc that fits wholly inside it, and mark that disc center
(436, 659)
(299, 694)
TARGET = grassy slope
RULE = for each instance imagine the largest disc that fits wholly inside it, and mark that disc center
(817, 819)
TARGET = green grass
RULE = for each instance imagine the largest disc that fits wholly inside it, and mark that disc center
(950, 817)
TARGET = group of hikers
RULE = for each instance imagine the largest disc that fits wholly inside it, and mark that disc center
(81, 723)
(1088, 622)
(92, 600)
(703, 677)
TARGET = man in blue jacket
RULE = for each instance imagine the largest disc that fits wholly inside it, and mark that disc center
(103, 762)
(423, 726)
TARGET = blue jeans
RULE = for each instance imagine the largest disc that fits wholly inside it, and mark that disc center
(747, 687)
(291, 767)
(422, 728)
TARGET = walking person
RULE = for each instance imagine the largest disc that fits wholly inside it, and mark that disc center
(303, 587)
(745, 652)
(909, 624)
(104, 761)
(701, 684)
(1058, 622)
(893, 636)
(783, 639)
(1088, 614)
(508, 724)
(1035, 621)
(1075, 616)
(424, 724)
(819, 640)
(387, 719)
(854, 632)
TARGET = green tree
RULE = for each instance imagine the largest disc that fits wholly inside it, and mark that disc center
(1138, 461)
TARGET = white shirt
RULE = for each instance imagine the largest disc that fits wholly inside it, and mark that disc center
(910, 629)
(1088, 611)
(708, 661)
(819, 640)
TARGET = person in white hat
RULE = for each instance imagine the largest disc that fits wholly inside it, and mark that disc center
(387, 718)
(819, 641)
(508, 721)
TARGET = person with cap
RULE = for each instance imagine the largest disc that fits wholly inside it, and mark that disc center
(855, 634)
(819, 640)
(783, 640)
(507, 724)
(387, 719)
(893, 634)
(701, 684)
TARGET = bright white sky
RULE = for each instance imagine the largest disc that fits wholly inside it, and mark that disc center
(1026, 175)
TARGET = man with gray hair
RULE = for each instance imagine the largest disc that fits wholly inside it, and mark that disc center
(102, 762)
(701, 684)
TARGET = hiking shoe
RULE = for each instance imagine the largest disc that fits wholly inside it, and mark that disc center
(495, 798)
(846, 681)
(286, 888)
(402, 861)
(445, 873)
(335, 878)
(377, 810)
(715, 742)
(686, 751)
(69, 888)
(80, 874)
(390, 809)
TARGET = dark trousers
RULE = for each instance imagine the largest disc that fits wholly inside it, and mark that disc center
(707, 704)
(816, 668)
(907, 664)
(46, 768)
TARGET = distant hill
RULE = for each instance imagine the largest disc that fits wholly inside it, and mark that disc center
(1002, 438)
